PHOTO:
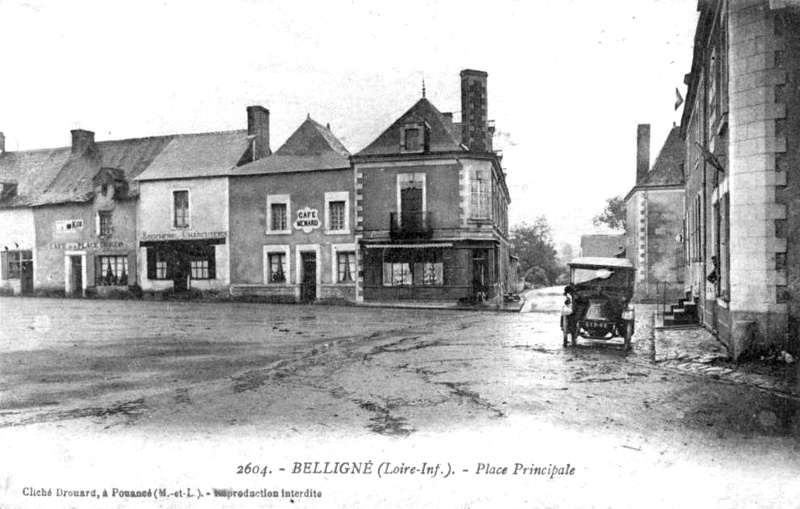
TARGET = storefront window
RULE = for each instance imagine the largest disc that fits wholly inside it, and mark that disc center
(199, 268)
(112, 271)
(413, 267)
(432, 273)
(396, 274)
(12, 263)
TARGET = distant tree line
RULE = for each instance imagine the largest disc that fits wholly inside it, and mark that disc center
(533, 244)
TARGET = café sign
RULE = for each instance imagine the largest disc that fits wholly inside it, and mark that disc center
(307, 220)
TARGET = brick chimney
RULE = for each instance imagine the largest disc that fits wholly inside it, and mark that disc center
(258, 126)
(476, 133)
(82, 141)
(2, 143)
(642, 151)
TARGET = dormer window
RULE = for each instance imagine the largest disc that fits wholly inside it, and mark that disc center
(414, 137)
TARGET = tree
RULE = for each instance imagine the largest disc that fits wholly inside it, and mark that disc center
(533, 245)
(615, 214)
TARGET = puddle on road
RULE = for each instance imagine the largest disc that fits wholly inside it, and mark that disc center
(384, 423)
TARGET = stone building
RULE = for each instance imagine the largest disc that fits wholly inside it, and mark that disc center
(85, 218)
(292, 221)
(67, 215)
(183, 214)
(432, 205)
(741, 126)
(655, 218)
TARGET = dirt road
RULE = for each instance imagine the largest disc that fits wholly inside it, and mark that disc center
(184, 393)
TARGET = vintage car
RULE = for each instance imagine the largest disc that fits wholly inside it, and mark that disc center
(598, 298)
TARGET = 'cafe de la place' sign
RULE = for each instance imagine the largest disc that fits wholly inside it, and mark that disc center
(307, 220)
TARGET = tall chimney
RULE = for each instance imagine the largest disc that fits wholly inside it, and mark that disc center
(642, 151)
(258, 127)
(82, 141)
(2, 143)
(475, 129)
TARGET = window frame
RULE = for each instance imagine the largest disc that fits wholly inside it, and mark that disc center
(336, 250)
(19, 258)
(422, 136)
(99, 277)
(480, 210)
(101, 214)
(188, 218)
(402, 179)
(277, 199)
(337, 196)
(267, 251)
(416, 264)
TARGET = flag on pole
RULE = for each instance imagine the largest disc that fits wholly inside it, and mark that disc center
(678, 98)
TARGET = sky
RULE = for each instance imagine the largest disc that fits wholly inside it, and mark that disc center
(569, 80)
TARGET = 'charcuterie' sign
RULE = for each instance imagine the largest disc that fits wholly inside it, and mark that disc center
(307, 220)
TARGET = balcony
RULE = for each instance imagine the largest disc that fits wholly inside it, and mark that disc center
(410, 225)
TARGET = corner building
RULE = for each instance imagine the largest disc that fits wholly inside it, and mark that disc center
(432, 206)
(741, 125)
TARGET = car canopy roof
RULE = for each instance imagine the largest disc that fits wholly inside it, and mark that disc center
(598, 261)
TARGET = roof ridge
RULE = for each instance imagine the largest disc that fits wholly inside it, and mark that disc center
(138, 138)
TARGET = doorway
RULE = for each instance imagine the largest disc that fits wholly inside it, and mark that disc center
(76, 275)
(308, 283)
(480, 274)
(181, 277)
(26, 277)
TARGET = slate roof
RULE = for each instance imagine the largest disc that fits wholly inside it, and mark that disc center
(443, 133)
(311, 147)
(198, 155)
(667, 169)
(56, 175)
(74, 180)
(33, 171)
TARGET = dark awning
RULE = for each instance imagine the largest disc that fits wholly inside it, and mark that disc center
(429, 245)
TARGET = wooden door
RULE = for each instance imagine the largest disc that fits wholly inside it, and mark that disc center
(308, 284)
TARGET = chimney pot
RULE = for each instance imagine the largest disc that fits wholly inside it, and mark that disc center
(2, 143)
(82, 141)
(642, 151)
(258, 127)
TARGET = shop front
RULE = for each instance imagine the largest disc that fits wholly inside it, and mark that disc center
(435, 271)
(182, 261)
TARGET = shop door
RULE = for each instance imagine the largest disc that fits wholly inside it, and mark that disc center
(76, 275)
(26, 277)
(181, 278)
(308, 285)
(480, 274)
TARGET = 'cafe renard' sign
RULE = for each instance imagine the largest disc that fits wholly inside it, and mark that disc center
(307, 220)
